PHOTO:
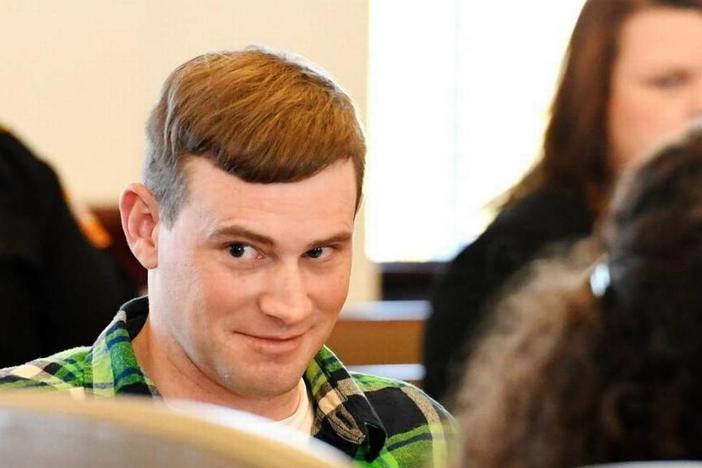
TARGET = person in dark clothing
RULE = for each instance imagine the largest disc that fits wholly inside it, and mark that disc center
(620, 95)
(57, 289)
(514, 237)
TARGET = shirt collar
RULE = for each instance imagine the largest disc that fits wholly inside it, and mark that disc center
(114, 369)
(344, 417)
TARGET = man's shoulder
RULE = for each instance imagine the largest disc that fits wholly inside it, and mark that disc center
(395, 397)
(394, 401)
(60, 371)
(420, 432)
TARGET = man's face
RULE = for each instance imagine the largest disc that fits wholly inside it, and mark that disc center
(251, 277)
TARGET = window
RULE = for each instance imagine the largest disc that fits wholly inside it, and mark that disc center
(458, 98)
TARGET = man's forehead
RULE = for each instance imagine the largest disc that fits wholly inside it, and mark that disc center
(327, 199)
(197, 166)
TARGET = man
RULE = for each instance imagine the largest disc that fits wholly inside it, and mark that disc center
(253, 179)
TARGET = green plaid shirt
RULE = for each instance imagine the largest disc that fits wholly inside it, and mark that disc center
(376, 421)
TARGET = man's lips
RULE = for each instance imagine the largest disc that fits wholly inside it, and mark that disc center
(274, 343)
(273, 337)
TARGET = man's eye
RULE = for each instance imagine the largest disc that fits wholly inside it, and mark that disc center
(318, 252)
(242, 251)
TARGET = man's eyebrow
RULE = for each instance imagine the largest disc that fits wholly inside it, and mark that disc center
(243, 233)
(339, 238)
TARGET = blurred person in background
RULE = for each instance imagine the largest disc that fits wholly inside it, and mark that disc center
(58, 282)
(581, 364)
(632, 77)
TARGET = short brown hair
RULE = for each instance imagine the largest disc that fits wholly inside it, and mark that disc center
(576, 143)
(259, 115)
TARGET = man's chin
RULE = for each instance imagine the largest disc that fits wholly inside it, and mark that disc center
(262, 383)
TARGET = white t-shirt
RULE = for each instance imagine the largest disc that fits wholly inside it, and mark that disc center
(301, 420)
(303, 416)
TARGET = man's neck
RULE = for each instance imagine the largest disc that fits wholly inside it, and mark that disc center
(177, 377)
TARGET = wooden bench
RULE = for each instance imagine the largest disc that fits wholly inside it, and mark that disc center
(382, 338)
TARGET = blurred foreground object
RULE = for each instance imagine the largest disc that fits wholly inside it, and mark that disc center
(52, 429)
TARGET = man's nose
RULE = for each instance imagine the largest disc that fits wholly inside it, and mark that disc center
(286, 297)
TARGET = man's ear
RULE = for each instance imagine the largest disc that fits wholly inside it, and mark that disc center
(139, 211)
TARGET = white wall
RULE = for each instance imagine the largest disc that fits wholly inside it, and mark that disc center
(79, 77)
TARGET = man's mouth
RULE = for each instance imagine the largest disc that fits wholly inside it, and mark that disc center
(274, 343)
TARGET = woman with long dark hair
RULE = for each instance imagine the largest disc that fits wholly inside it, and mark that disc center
(632, 78)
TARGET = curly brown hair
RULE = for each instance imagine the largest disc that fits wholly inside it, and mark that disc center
(564, 377)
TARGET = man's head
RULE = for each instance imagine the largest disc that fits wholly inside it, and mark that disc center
(245, 222)
(262, 116)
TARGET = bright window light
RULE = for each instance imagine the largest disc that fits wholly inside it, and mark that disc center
(458, 98)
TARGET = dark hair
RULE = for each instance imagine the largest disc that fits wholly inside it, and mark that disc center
(565, 377)
(575, 149)
(262, 116)
(652, 325)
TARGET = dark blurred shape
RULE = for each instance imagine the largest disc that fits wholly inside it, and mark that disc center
(58, 290)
